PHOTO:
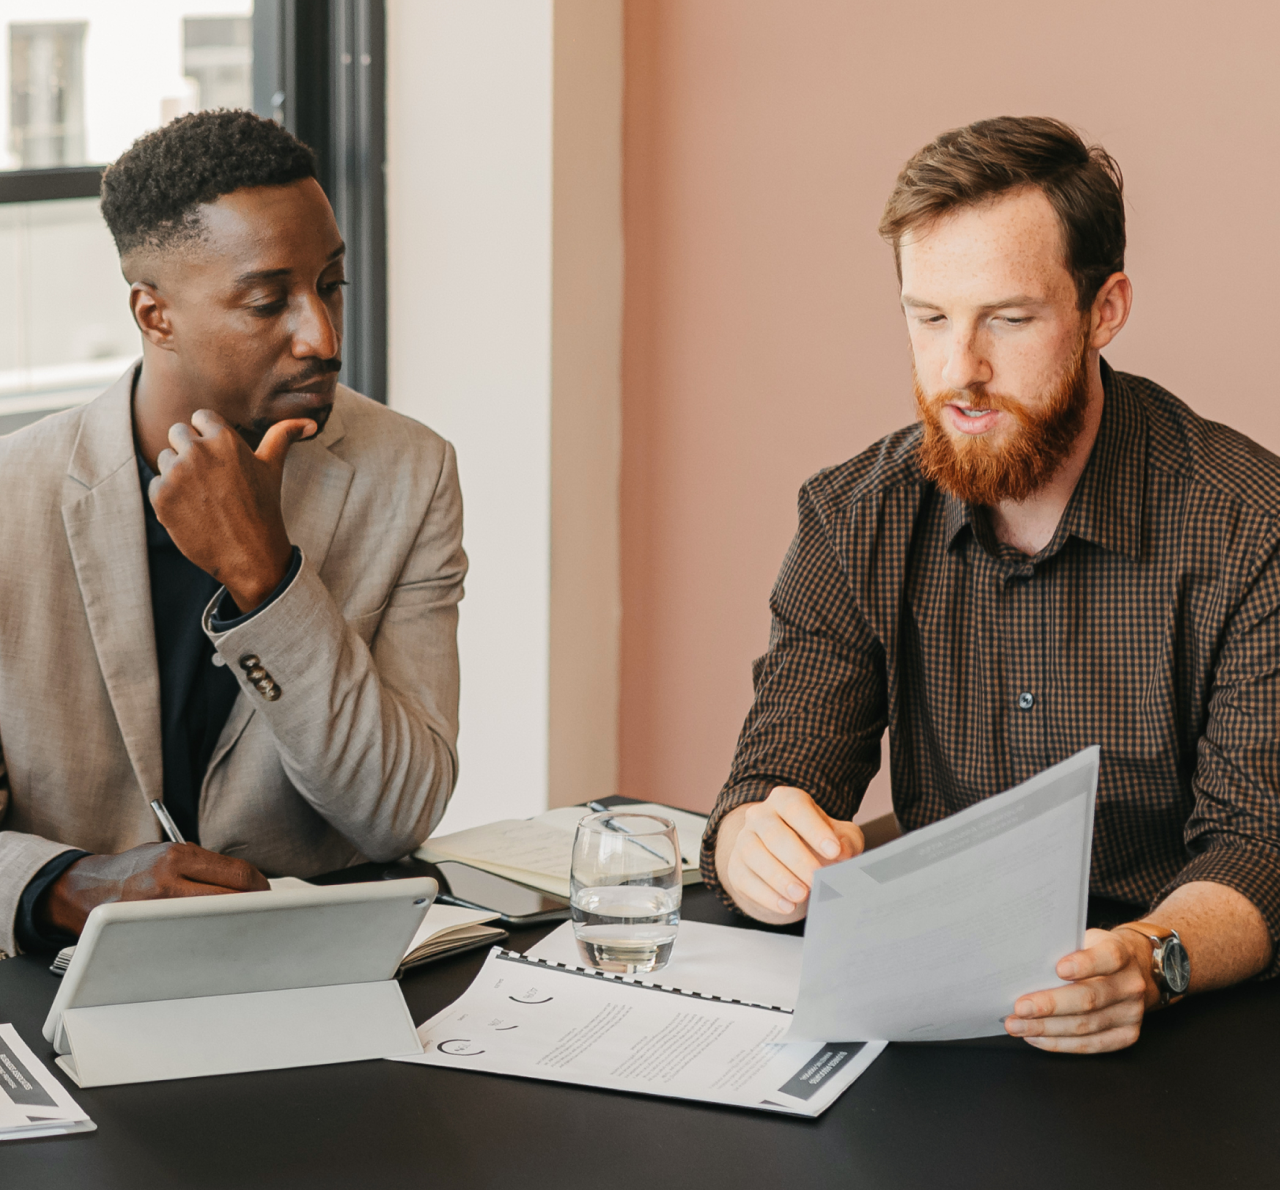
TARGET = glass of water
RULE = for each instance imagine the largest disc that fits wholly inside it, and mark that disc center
(625, 885)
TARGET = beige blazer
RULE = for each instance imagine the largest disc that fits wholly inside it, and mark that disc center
(355, 760)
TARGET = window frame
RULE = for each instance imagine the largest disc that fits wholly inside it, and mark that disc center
(319, 67)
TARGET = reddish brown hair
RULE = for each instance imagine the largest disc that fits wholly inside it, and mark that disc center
(968, 166)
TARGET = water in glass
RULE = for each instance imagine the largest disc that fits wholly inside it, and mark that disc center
(625, 891)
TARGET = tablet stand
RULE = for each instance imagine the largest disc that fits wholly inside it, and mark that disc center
(163, 1039)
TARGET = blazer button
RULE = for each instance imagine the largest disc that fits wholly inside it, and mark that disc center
(272, 694)
(249, 661)
(256, 674)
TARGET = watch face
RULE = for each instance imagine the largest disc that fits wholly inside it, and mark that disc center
(1177, 967)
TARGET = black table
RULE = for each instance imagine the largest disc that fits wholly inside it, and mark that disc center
(1193, 1104)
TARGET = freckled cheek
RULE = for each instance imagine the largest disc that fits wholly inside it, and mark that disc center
(929, 353)
(1028, 368)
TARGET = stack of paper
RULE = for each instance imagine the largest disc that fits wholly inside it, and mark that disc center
(537, 851)
(934, 936)
(32, 1101)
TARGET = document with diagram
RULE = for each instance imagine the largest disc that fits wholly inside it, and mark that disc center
(539, 1020)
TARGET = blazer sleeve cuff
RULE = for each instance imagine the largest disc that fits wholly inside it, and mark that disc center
(21, 858)
(28, 934)
(285, 643)
(226, 615)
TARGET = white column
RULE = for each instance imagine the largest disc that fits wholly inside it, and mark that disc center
(475, 152)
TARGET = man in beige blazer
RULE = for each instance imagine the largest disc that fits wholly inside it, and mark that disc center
(333, 525)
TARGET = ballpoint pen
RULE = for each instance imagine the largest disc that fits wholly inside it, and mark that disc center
(167, 824)
(600, 808)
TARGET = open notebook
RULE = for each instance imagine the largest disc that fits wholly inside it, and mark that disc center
(537, 851)
(446, 930)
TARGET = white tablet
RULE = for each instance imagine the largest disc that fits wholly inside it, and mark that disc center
(139, 951)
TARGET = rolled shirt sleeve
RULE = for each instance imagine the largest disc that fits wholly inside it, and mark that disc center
(820, 709)
(1233, 833)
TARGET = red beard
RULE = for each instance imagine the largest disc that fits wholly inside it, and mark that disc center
(978, 472)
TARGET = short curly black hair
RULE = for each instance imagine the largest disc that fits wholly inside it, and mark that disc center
(150, 195)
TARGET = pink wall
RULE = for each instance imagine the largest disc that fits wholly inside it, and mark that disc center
(761, 338)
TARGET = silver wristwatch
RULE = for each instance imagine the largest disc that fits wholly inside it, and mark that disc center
(1170, 965)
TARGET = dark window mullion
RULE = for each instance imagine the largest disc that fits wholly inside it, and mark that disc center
(40, 185)
(319, 68)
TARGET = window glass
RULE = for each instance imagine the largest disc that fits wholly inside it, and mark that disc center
(46, 94)
(84, 78)
(80, 80)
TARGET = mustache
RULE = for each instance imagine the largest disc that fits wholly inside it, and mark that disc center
(316, 370)
(980, 400)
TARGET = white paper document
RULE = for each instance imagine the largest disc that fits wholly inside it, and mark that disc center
(934, 936)
(754, 966)
(538, 851)
(525, 1018)
(33, 1102)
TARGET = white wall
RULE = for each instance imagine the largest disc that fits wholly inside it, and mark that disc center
(469, 176)
(504, 180)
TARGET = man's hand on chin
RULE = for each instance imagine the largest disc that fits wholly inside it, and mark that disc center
(147, 873)
(1101, 1008)
(220, 502)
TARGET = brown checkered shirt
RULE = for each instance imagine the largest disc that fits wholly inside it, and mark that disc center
(1150, 625)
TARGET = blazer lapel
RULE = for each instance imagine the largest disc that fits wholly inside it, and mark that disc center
(315, 489)
(312, 496)
(102, 513)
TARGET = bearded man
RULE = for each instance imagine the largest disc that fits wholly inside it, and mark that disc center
(1058, 555)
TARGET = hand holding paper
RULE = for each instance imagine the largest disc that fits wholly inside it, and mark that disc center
(1102, 1008)
(936, 935)
(768, 852)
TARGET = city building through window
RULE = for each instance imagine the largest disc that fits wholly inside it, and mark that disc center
(46, 94)
(78, 92)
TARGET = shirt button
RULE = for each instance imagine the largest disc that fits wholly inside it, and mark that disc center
(1026, 700)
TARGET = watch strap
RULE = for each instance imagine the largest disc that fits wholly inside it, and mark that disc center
(1149, 929)
(1157, 936)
